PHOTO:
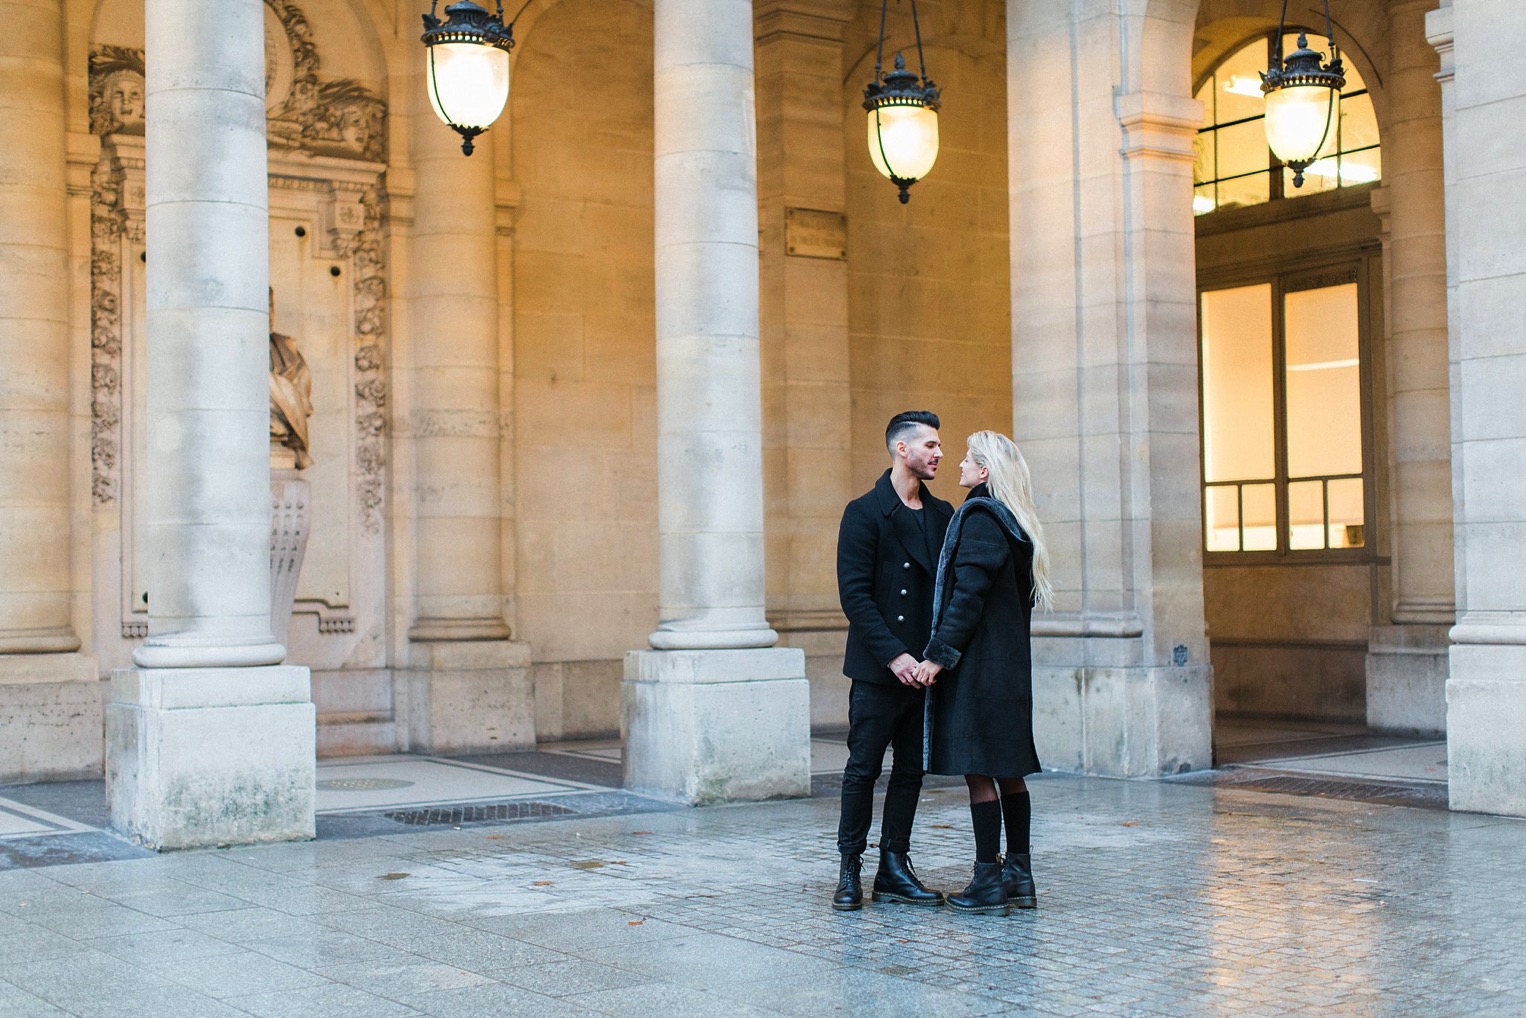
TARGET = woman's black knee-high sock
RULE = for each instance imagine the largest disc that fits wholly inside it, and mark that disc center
(1017, 812)
(986, 819)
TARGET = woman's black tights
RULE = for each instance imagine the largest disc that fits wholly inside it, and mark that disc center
(987, 814)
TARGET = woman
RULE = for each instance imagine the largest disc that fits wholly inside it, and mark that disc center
(993, 570)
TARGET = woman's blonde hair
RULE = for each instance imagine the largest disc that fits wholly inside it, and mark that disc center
(1010, 484)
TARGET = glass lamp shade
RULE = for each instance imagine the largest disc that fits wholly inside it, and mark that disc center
(903, 140)
(468, 83)
(1298, 120)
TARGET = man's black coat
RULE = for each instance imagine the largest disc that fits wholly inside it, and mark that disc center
(885, 574)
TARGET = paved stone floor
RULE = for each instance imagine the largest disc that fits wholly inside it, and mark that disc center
(1156, 898)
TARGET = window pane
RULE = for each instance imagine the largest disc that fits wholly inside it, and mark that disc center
(1238, 84)
(1359, 125)
(1324, 401)
(1260, 501)
(1361, 167)
(1252, 190)
(1238, 438)
(1204, 200)
(1346, 516)
(1242, 149)
(1306, 515)
(1222, 532)
(1205, 96)
(1203, 165)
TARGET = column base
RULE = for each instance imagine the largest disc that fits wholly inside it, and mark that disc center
(1486, 728)
(1406, 679)
(466, 697)
(1124, 722)
(51, 711)
(211, 756)
(707, 726)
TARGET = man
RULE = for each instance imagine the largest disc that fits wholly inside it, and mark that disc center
(887, 560)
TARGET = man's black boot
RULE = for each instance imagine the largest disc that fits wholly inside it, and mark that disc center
(850, 893)
(986, 893)
(897, 881)
(1017, 877)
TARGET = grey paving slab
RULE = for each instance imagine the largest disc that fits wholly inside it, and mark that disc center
(328, 1001)
(495, 999)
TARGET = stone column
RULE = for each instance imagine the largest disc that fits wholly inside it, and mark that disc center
(466, 687)
(1483, 93)
(1406, 661)
(34, 314)
(807, 419)
(1105, 381)
(210, 740)
(715, 712)
(45, 691)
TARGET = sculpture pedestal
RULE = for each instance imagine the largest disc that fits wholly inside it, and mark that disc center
(211, 756)
(290, 523)
(705, 726)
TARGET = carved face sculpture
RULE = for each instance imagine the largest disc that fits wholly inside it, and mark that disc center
(124, 97)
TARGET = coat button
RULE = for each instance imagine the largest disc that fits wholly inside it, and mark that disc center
(900, 618)
(905, 565)
(903, 591)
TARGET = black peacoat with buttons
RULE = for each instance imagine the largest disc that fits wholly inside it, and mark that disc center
(885, 574)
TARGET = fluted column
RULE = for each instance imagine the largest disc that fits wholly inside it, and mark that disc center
(715, 712)
(205, 746)
(709, 411)
(34, 350)
(452, 417)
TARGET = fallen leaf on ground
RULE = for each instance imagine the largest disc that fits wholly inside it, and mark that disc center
(394, 876)
(543, 883)
(586, 864)
(941, 827)
(1129, 823)
(635, 922)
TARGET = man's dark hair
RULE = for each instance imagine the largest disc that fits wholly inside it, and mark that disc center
(907, 421)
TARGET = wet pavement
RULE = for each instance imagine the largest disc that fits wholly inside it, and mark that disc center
(1155, 898)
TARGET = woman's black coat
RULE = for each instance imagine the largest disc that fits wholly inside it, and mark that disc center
(980, 709)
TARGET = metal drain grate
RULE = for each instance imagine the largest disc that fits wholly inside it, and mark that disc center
(1374, 792)
(478, 813)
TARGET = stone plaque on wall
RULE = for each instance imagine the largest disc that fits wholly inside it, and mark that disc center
(812, 233)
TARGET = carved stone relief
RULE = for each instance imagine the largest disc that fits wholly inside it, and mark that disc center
(335, 129)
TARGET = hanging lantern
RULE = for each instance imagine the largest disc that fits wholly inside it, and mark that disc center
(903, 115)
(1302, 99)
(468, 67)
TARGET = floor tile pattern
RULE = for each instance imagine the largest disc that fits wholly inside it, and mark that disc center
(1156, 898)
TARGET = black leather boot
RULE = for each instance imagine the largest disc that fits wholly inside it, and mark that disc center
(897, 881)
(986, 893)
(1017, 877)
(850, 893)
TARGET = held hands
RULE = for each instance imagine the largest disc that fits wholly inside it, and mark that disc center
(927, 673)
(915, 673)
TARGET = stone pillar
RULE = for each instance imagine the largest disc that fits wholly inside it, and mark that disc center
(1105, 381)
(43, 686)
(715, 712)
(210, 740)
(1407, 652)
(34, 314)
(466, 687)
(1483, 92)
(807, 408)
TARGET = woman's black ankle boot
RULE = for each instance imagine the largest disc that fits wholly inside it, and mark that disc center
(986, 895)
(1017, 877)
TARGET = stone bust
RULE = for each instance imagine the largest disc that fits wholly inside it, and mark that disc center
(291, 395)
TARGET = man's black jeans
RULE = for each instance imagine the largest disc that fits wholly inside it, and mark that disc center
(880, 716)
